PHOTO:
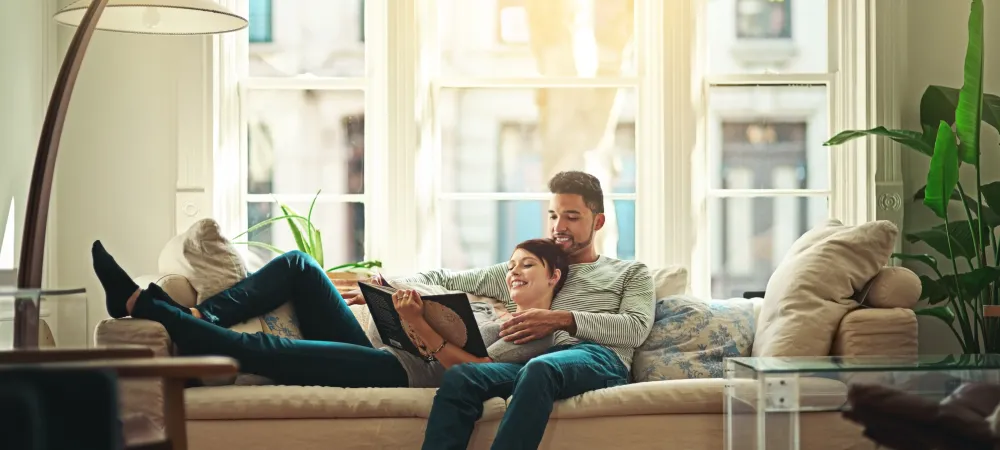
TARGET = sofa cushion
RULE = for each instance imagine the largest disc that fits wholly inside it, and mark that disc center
(205, 257)
(314, 402)
(693, 396)
(690, 337)
(810, 291)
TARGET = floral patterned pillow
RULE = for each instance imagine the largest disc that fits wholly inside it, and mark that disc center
(690, 337)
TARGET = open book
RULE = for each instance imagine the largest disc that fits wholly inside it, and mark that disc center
(449, 314)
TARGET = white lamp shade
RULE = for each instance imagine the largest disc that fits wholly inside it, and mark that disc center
(179, 17)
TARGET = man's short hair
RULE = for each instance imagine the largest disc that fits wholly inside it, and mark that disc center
(582, 184)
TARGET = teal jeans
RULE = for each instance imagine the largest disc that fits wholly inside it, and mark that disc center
(563, 372)
(334, 350)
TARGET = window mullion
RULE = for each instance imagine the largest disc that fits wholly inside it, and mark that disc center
(229, 187)
(666, 132)
(390, 134)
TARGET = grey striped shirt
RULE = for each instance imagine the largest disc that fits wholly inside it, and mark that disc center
(611, 300)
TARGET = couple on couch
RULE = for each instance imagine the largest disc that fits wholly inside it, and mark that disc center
(577, 319)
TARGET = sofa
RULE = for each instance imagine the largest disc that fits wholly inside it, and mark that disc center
(682, 413)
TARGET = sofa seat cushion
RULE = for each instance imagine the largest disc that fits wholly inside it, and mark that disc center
(688, 396)
(314, 402)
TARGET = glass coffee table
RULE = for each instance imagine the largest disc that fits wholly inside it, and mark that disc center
(767, 399)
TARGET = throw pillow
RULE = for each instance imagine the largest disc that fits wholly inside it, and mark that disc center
(810, 291)
(205, 257)
(690, 338)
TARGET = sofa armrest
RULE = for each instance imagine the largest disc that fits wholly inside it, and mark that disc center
(877, 332)
(176, 286)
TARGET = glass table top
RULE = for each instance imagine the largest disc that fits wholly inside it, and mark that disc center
(869, 363)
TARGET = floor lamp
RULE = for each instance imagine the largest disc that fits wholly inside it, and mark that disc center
(166, 17)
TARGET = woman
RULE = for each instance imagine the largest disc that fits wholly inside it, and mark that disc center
(334, 350)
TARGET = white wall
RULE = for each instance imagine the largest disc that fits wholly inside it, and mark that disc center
(936, 52)
(117, 167)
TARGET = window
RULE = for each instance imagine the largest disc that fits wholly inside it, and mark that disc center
(764, 19)
(260, 21)
(768, 174)
(303, 103)
(433, 139)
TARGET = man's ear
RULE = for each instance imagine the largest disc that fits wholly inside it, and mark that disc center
(599, 221)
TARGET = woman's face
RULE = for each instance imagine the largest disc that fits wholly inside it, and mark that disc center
(528, 280)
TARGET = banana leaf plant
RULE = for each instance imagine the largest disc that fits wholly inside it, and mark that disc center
(308, 239)
(964, 276)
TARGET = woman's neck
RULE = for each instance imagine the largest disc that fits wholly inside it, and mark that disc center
(536, 303)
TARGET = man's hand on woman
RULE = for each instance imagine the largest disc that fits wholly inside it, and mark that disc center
(532, 324)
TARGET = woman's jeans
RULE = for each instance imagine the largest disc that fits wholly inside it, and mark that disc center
(334, 350)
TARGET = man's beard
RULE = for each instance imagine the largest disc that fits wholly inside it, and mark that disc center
(576, 247)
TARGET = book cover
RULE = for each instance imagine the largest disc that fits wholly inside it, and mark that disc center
(449, 314)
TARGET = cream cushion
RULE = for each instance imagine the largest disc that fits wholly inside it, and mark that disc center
(205, 257)
(893, 287)
(810, 291)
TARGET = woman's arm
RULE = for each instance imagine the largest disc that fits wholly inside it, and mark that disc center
(449, 355)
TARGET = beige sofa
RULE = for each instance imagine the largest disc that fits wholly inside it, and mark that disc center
(682, 414)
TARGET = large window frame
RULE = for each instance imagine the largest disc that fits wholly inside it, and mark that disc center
(670, 195)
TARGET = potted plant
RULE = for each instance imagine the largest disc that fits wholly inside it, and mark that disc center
(309, 240)
(967, 281)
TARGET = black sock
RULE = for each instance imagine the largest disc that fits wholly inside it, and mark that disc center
(158, 293)
(118, 286)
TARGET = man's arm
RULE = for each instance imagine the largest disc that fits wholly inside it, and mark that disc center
(484, 282)
(630, 326)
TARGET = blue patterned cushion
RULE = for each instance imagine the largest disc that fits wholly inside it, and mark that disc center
(282, 322)
(690, 337)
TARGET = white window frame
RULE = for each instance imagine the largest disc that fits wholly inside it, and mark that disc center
(865, 182)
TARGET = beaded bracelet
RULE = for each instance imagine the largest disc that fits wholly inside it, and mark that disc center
(430, 356)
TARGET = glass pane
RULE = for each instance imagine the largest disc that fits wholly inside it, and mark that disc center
(477, 233)
(514, 140)
(341, 225)
(304, 141)
(318, 37)
(750, 237)
(526, 38)
(767, 36)
(768, 137)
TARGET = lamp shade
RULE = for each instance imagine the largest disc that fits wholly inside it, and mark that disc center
(177, 17)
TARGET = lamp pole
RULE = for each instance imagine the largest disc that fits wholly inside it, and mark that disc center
(29, 272)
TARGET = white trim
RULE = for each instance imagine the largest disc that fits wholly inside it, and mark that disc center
(769, 79)
(751, 193)
(536, 82)
(887, 61)
(229, 53)
(305, 83)
(657, 176)
(851, 165)
(494, 196)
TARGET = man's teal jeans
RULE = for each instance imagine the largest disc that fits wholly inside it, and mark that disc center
(562, 372)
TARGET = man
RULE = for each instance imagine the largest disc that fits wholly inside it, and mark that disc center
(602, 314)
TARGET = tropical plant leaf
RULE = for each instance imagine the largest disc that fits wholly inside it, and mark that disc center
(974, 282)
(312, 238)
(990, 217)
(317, 245)
(300, 241)
(261, 245)
(991, 193)
(941, 312)
(962, 243)
(267, 222)
(929, 260)
(933, 290)
(942, 176)
(968, 115)
(940, 102)
(910, 139)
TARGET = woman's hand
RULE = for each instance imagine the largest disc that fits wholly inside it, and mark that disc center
(409, 305)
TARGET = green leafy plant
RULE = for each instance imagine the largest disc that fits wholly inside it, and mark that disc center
(308, 238)
(951, 121)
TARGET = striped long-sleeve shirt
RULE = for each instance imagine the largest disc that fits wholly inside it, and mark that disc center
(611, 300)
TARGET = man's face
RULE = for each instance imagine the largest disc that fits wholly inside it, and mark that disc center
(572, 224)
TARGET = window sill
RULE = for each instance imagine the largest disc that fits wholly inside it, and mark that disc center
(764, 51)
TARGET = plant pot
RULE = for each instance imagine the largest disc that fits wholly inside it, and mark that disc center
(347, 281)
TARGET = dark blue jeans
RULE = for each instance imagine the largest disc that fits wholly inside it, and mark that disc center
(560, 373)
(334, 350)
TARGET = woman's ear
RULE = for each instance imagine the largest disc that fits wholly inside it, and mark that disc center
(556, 275)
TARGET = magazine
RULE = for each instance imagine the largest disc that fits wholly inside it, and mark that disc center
(449, 314)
